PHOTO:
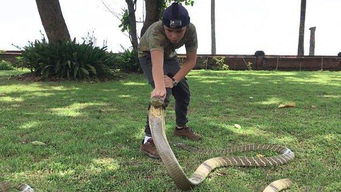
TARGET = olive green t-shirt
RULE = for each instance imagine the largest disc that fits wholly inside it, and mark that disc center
(155, 39)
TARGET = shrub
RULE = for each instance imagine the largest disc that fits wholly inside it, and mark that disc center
(217, 63)
(220, 62)
(67, 59)
(6, 65)
(126, 61)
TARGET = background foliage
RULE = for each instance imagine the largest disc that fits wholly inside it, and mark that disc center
(6, 65)
(67, 59)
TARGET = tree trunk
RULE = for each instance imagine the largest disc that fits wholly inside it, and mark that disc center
(53, 21)
(153, 13)
(132, 30)
(312, 41)
(213, 42)
(132, 22)
(300, 51)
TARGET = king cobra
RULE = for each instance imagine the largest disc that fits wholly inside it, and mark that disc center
(157, 125)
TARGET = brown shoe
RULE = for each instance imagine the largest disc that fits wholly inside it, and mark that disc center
(149, 149)
(187, 132)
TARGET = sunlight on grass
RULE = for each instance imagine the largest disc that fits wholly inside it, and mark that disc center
(134, 83)
(74, 109)
(285, 139)
(238, 78)
(66, 173)
(30, 174)
(22, 87)
(243, 130)
(98, 166)
(255, 131)
(252, 131)
(35, 88)
(102, 165)
(270, 101)
(106, 163)
(201, 77)
(5, 73)
(331, 96)
(29, 125)
(11, 99)
(320, 79)
(330, 137)
(209, 81)
(124, 96)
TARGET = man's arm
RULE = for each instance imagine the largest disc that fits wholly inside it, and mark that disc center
(190, 61)
(158, 74)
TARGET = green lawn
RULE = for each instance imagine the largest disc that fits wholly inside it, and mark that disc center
(92, 131)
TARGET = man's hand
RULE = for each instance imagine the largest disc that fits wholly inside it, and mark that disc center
(159, 92)
(168, 81)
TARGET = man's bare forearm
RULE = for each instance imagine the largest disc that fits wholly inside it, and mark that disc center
(157, 68)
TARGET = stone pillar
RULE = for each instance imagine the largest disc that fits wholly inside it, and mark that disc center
(259, 59)
(312, 41)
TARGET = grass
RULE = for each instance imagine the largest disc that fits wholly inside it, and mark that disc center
(92, 131)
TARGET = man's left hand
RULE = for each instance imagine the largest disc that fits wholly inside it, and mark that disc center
(168, 81)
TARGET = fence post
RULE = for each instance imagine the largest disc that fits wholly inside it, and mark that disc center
(277, 63)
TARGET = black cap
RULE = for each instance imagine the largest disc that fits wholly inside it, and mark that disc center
(175, 16)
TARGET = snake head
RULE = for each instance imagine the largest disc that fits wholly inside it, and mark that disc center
(156, 102)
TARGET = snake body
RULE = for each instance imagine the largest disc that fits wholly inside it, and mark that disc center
(157, 125)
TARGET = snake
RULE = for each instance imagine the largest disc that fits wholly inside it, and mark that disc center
(157, 125)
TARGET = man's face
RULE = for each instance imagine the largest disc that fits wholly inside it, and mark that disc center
(174, 35)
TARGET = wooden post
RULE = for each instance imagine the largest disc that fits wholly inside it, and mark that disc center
(277, 63)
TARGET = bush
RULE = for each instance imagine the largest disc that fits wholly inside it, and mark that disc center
(126, 62)
(67, 59)
(216, 63)
(5, 65)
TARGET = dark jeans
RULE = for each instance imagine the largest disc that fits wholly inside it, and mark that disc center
(180, 91)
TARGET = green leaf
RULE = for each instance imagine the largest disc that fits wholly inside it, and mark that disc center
(92, 68)
(84, 71)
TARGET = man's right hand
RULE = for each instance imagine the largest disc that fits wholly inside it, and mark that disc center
(159, 92)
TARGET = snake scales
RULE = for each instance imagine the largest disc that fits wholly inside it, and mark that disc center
(157, 125)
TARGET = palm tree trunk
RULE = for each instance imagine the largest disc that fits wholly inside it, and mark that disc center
(213, 44)
(53, 21)
(300, 51)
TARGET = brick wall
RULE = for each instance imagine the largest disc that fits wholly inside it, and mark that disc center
(273, 62)
(10, 56)
(245, 62)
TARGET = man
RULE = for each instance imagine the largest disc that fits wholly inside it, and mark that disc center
(159, 63)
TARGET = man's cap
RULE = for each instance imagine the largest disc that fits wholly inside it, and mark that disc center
(175, 16)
